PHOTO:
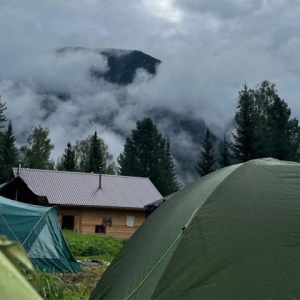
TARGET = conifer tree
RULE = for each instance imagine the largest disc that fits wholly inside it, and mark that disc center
(84, 153)
(207, 162)
(264, 127)
(244, 147)
(68, 160)
(95, 161)
(8, 153)
(224, 154)
(147, 154)
(282, 135)
(171, 184)
(142, 153)
(2, 116)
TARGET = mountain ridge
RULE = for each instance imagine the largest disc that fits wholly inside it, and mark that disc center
(122, 63)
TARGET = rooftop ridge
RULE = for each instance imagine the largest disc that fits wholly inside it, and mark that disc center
(79, 173)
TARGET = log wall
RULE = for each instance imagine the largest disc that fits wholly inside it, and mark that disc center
(85, 220)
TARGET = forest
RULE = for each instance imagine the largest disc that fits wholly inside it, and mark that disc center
(263, 127)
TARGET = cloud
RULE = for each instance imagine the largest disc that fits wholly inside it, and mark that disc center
(221, 9)
(208, 50)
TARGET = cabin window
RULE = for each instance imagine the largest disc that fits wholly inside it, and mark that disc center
(68, 222)
(129, 220)
(100, 229)
(106, 221)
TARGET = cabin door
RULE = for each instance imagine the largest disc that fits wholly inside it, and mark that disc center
(67, 222)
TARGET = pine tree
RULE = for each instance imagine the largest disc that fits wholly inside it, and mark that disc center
(85, 159)
(245, 147)
(282, 135)
(2, 116)
(2, 119)
(224, 154)
(264, 96)
(147, 154)
(171, 184)
(142, 151)
(68, 160)
(207, 162)
(8, 153)
(95, 161)
(38, 149)
(264, 127)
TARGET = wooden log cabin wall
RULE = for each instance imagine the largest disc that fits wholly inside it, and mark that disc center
(119, 223)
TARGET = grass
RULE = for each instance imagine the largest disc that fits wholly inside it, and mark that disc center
(88, 246)
(78, 286)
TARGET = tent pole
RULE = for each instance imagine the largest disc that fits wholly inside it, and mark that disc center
(9, 227)
(38, 222)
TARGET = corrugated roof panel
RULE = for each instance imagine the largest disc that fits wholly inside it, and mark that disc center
(74, 188)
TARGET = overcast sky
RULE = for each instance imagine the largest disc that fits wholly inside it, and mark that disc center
(209, 48)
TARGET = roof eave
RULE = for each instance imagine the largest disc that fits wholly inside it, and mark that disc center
(98, 206)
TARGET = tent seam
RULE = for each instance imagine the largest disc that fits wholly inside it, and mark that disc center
(156, 265)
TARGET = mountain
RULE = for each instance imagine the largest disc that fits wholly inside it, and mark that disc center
(82, 90)
(122, 63)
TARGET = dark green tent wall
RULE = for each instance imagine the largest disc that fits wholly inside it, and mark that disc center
(241, 240)
(37, 229)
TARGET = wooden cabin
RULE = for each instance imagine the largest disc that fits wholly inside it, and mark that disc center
(88, 203)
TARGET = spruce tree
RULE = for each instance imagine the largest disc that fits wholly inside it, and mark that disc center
(2, 116)
(282, 135)
(147, 154)
(264, 127)
(207, 162)
(142, 151)
(68, 160)
(244, 146)
(85, 157)
(224, 154)
(8, 153)
(264, 96)
(95, 160)
(171, 184)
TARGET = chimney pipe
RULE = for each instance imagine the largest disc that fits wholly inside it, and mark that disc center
(19, 168)
(100, 178)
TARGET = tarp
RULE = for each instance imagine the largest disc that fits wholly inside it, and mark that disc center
(38, 230)
(241, 240)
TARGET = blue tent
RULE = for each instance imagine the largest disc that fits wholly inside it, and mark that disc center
(38, 230)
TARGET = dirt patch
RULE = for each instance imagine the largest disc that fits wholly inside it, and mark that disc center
(88, 277)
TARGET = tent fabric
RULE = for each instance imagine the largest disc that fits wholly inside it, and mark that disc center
(17, 287)
(241, 240)
(37, 229)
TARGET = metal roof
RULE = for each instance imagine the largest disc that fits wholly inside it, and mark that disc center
(75, 188)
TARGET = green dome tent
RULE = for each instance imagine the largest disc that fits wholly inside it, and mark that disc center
(241, 240)
(37, 229)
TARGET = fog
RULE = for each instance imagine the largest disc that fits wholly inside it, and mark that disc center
(208, 50)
